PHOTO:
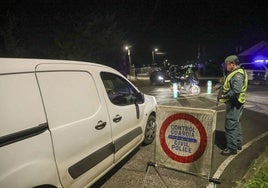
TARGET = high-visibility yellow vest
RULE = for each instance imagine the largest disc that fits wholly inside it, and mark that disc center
(226, 86)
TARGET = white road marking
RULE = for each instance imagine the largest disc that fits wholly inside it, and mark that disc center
(249, 105)
(219, 111)
(227, 161)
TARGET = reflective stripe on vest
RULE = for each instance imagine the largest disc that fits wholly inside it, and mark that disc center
(226, 86)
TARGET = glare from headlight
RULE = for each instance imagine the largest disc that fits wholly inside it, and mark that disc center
(160, 78)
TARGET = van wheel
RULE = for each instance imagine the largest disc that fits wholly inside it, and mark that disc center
(45, 186)
(150, 130)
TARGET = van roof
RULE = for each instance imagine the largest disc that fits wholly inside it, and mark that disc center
(17, 65)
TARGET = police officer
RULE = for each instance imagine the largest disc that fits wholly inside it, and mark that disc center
(234, 96)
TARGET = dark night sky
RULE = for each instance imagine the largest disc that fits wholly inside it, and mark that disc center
(176, 27)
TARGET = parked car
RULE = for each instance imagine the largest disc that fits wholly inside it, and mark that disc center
(257, 72)
(67, 123)
(157, 77)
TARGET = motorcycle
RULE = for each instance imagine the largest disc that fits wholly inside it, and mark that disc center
(191, 86)
(188, 85)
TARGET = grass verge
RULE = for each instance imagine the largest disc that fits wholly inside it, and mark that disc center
(257, 175)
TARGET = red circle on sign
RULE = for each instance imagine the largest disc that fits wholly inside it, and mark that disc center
(203, 138)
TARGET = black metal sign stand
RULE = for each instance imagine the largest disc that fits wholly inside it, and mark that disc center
(215, 181)
(154, 165)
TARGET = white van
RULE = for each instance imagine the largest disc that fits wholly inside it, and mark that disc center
(67, 123)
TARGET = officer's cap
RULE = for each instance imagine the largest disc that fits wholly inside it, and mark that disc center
(232, 59)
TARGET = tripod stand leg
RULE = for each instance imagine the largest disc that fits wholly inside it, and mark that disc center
(147, 171)
(161, 177)
(153, 164)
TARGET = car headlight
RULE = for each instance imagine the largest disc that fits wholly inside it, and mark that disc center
(160, 78)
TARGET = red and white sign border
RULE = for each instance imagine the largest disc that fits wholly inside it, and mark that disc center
(203, 138)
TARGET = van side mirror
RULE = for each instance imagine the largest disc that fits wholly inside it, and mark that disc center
(139, 98)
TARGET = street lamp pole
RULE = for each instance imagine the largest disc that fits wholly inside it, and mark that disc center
(165, 64)
(153, 54)
(129, 58)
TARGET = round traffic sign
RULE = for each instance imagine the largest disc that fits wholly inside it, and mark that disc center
(166, 136)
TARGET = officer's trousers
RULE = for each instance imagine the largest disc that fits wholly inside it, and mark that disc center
(233, 131)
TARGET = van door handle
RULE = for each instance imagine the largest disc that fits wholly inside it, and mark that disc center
(100, 125)
(117, 118)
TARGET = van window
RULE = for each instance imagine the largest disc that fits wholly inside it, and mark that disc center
(119, 91)
(68, 96)
(20, 103)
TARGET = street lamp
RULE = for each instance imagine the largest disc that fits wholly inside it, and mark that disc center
(127, 48)
(153, 54)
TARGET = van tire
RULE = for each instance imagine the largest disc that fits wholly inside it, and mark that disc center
(45, 186)
(150, 130)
